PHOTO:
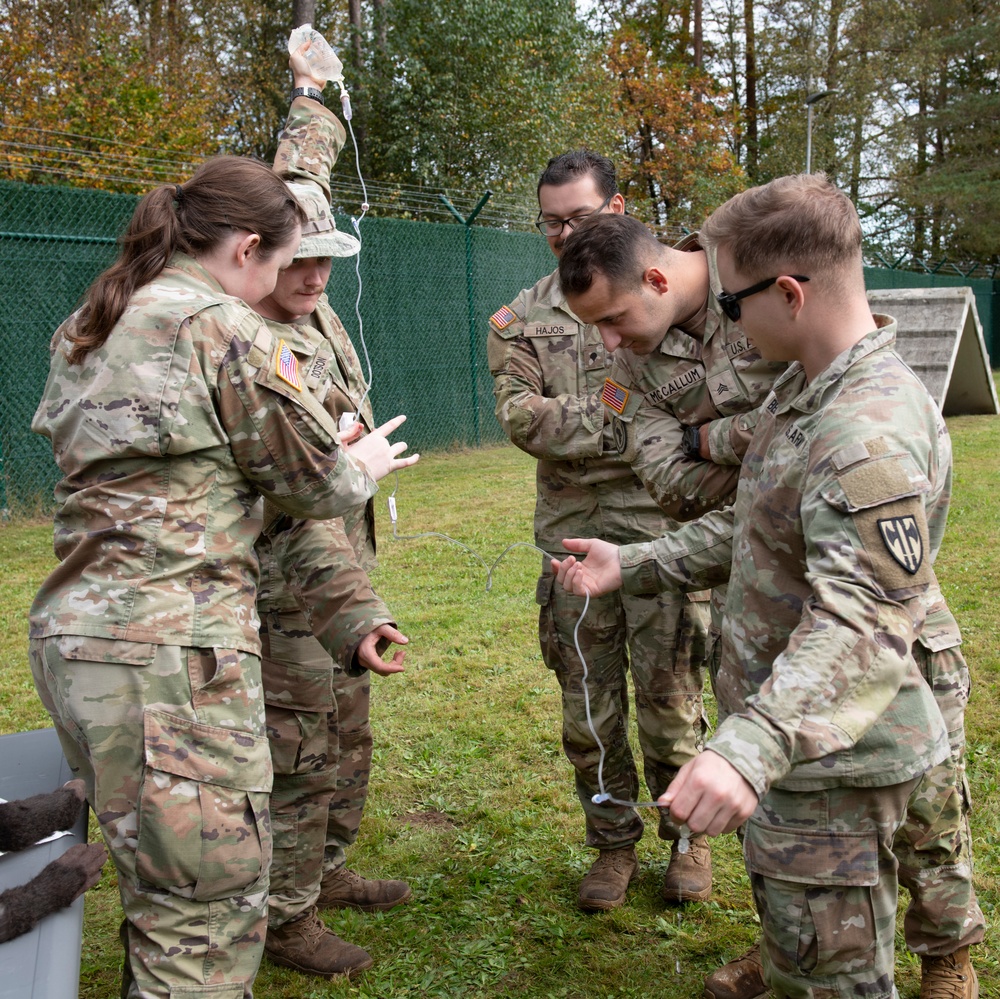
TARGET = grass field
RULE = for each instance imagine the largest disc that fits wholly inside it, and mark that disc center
(471, 799)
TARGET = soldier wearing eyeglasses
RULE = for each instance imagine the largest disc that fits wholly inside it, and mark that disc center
(818, 560)
(550, 369)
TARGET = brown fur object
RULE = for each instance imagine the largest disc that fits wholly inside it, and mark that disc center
(23, 823)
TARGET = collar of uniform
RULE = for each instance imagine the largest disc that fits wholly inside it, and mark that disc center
(809, 397)
(550, 293)
(300, 336)
(187, 264)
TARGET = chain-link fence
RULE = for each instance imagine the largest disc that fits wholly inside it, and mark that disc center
(428, 289)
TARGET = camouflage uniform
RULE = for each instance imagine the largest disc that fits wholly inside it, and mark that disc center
(315, 583)
(708, 373)
(934, 844)
(549, 369)
(316, 603)
(827, 714)
(144, 643)
(720, 382)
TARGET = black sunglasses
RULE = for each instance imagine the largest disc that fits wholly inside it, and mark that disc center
(729, 302)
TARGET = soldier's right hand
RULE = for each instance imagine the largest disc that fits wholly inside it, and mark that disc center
(600, 572)
(378, 454)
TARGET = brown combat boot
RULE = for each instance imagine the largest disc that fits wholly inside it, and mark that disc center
(604, 886)
(689, 875)
(308, 946)
(343, 889)
(948, 977)
(740, 979)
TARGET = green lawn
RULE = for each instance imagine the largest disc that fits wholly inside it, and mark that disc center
(471, 798)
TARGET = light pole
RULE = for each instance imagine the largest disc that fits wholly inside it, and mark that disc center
(810, 101)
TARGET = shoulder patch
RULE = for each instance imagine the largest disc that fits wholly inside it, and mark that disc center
(615, 396)
(895, 537)
(902, 538)
(286, 366)
(877, 482)
(502, 318)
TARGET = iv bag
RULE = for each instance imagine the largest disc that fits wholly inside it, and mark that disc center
(323, 61)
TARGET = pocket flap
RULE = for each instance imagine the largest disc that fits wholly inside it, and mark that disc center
(816, 858)
(206, 753)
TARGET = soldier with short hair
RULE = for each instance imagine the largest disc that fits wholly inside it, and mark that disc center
(549, 371)
(827, 724)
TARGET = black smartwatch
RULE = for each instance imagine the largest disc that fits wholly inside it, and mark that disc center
(311, 92)
(691, 443)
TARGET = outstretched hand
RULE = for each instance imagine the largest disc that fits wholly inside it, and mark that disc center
(600, 573)
(368, 654)
(378, 454)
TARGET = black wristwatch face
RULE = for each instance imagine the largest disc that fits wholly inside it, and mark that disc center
(691, 442)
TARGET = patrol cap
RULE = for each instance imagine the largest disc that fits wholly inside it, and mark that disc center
(320, 237)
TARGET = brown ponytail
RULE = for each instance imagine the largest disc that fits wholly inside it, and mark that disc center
(225, 194)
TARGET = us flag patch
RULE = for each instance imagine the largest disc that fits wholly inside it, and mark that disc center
(902, 537)
(615, 396)
(502, 318)
(287, 366)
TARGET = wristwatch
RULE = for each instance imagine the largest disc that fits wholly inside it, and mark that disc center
(311, 92)
(691, 443)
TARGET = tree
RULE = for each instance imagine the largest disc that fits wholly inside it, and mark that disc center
(465, 93)
(674, 156)
(92, 95)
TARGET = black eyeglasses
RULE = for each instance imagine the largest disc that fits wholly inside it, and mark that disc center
(729, 302)
(554, 227)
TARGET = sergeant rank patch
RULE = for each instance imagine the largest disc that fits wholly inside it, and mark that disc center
(615, 396)
(902, 538)
(286, 366)
(502, 318)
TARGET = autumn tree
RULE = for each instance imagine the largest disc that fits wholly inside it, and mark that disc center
(674, 158)
(103, 95)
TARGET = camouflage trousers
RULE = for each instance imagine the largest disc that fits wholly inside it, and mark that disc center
(934, 850)
(934, 845)
(171, 744)
(823, 876)
(660, 639)
(321, 746)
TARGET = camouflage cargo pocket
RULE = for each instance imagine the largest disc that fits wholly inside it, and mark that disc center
(820, 884)
(203, 824)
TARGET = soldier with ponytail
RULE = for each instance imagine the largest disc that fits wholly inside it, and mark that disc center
(172, 409)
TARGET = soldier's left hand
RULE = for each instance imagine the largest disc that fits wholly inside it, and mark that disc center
(368, 651)
(709, 795)
(301, 70)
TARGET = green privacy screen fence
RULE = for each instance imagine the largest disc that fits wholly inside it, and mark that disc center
(428, 289)
(426, 299)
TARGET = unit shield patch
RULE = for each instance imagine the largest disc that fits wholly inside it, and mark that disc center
(902, 539)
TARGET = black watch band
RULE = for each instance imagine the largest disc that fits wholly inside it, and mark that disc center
(691, 443)
(311, 92)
